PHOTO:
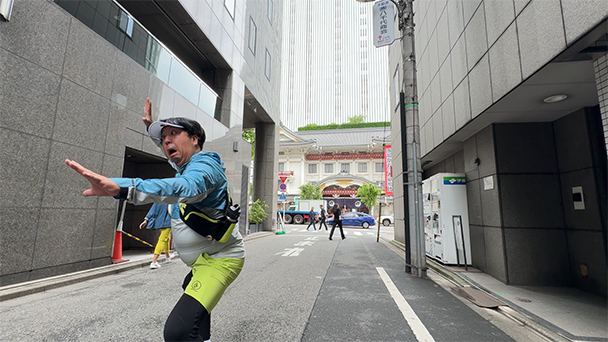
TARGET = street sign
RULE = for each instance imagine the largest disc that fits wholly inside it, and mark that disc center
(282, 186)
(282, 197)
(384, 23)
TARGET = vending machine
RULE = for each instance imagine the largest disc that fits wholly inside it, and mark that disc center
(446, 219)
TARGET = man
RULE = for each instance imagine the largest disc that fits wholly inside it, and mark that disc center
(337, 221)
(200, 186)
(313, 217)
(322, 218)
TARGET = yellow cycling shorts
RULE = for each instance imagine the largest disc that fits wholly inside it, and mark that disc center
(211, 277)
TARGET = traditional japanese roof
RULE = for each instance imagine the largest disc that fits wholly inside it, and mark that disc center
(337, 137)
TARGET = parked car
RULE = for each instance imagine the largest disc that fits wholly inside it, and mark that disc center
(355, 219)
(387, 220)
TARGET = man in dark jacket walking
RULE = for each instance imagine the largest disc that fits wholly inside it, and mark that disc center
(313, 217)
(322, 217)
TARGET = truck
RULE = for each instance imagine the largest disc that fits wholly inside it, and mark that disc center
(298, 213)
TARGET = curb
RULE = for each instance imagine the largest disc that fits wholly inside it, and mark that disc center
(44, 284)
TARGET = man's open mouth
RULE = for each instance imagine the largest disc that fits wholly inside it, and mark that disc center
(171, 151)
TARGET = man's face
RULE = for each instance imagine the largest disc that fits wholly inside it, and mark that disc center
(178, 147)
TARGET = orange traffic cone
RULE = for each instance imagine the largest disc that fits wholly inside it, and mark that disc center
(117, 252)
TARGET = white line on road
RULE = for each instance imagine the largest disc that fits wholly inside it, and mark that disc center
(422, 334)
(357, 233)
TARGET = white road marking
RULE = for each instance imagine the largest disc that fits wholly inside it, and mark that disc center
(422, 334)
(304, 243)
(370, 233)
(291, 252)
(357, 233)
(312, 238)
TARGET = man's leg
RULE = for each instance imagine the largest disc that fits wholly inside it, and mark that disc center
(185, 320)
(342, 231)
(333, 227)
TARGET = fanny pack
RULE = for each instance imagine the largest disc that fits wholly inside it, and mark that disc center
(218, 229)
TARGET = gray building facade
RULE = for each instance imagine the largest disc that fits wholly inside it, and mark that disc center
(74, 76)
(513, 93)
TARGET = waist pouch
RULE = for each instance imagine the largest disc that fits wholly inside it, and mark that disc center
(212, 229)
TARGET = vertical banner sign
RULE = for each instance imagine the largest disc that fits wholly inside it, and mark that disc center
(384, 23)
(388, 171)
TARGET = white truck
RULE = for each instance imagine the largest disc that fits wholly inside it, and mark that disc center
(298, 214)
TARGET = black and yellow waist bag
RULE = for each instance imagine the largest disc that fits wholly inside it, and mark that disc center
(211, 223)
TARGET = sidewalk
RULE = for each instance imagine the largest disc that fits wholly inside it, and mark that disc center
(558, 313)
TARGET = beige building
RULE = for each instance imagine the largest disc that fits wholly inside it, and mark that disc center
(338, 160)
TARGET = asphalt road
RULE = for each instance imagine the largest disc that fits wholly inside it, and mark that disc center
(295, 287)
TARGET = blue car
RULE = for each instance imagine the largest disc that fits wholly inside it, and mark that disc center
(355, 219)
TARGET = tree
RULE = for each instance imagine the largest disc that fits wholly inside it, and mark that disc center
(310, 192)
(249, 136)
(257, 211)
(357, 119)
(369, 195)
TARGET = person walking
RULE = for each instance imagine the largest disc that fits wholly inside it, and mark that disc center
(322, 217)
(158, 217)
(336, 211)
(312, 216)
(213, 249)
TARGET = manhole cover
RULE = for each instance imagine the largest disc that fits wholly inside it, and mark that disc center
(524, 300)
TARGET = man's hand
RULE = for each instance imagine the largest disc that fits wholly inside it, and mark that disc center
(147, 119)
(100, 185)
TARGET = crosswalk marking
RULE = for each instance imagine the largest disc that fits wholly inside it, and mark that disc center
(357, 233)
(422, 334)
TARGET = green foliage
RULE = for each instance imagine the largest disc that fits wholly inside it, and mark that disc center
(314, 127)
(357, 119)
(257, 211)
(310, 192)
(249, 136)
(369, 194)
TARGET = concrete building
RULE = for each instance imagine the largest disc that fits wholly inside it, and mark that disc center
(331, 71)
(515, 93)
(73, 79)
(338, 160)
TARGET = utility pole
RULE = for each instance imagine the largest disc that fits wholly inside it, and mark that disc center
(410, 137)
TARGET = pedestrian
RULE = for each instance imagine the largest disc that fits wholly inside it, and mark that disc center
(322, 217)
(337, 221)
(213, 249)
(313, 218)
(158, 217)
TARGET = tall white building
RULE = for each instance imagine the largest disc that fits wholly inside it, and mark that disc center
(331, 70)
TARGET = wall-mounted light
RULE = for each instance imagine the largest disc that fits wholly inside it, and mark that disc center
(555, 98)
(6, 8)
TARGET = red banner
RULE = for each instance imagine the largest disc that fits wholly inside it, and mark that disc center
(388, 170)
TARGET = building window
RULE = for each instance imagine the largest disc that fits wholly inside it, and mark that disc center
(362, 167)
(312, 168)
(125, 23)
(267, 65)
(253, 35)
(379, 167)
(281, 166)
(229, 4)
(328, 168)
(345, 167)
(281, 153)
(269, 10)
